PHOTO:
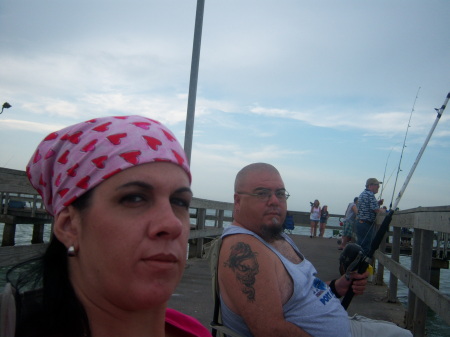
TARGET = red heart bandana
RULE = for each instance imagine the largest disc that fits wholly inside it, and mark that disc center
(69, 162)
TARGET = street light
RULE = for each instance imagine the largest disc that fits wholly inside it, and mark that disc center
(5, 105)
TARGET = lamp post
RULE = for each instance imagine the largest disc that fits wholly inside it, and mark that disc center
(193, 79)
(5, 105)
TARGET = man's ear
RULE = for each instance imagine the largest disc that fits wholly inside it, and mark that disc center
(67, 226)
(237, 200)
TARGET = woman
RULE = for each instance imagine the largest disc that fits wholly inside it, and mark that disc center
(324, 215)
(314, 217)
(119, 191)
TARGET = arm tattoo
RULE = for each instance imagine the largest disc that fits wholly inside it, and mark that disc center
(244, 264)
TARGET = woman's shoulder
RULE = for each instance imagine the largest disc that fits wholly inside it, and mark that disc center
(185, 325)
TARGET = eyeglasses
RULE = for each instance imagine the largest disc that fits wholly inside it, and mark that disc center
(265, 195)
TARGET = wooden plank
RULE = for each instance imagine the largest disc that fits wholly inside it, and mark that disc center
(10, 256)
(15, 181)
(211, 204)
(207, 232)
(437, 220)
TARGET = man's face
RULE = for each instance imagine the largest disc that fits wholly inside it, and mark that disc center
(374, 188)
(259, 212)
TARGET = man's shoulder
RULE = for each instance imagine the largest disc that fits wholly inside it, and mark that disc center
(242, 246)
(246, 238)
(365, 194)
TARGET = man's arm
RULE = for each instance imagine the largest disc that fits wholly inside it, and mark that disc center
(254, 284)
(375, 205)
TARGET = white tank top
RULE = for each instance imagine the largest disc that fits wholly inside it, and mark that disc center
(315, 215)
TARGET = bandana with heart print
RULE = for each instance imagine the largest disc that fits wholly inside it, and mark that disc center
(69, 162)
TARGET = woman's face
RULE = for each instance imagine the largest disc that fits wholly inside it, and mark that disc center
(132, 238)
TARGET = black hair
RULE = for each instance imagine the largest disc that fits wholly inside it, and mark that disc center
(46, 301)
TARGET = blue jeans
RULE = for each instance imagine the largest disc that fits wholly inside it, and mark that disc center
(364, 235)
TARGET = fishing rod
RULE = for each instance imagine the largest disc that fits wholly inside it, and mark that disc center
(362, 261)
(404, 145)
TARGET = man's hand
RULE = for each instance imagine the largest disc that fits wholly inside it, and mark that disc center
(357, 281)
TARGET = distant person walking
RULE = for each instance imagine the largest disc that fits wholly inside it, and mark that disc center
(314, 217)
(349, 222)
(324, 215)
(368, 207)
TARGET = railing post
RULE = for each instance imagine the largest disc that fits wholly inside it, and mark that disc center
(379, 277)
(201, 219)
(395, 255)
(417, 238)
(5, 208)
(1, 202)
(38, 233)
(446, 239)
(33, 206)
(220, 218)
(9, 233)
(420, 310)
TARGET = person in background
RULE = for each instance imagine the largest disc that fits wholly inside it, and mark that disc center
(119, 191)
(368, 207)
(289, 224)
(324, 215)
(314, 217)
(349, 223)
(267, 287)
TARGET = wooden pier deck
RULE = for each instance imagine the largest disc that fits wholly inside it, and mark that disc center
(194, 295)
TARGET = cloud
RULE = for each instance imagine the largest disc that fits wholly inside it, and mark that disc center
(29, 126)
(381, 123)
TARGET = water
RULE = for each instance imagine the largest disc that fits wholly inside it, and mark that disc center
(436, 327)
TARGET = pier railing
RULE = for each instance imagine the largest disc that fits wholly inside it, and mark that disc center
(429, 245)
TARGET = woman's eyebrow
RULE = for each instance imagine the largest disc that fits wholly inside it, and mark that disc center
(140, 184)
(147, 186)
(184, 190)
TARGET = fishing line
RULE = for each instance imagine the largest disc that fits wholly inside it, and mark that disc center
(404, 145)
(4, 165)
(388, 179)
(384, 174)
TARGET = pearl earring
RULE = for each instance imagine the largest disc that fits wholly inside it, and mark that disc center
(71, 251)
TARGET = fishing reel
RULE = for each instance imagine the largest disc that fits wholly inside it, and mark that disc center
(350, 258)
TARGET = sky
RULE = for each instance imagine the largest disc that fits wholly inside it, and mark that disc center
(326, 91)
